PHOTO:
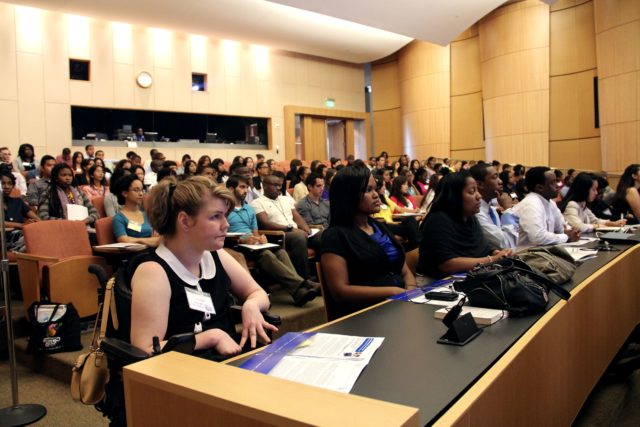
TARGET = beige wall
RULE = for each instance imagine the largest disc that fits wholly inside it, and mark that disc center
(617, 28)
(36, 93)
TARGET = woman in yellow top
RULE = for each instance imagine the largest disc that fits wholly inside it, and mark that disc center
(406, 228)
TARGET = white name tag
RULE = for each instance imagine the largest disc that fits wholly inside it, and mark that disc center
(134, 226)
(200, 301)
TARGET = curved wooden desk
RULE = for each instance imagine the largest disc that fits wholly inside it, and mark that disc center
(523, 372)
(545, 378)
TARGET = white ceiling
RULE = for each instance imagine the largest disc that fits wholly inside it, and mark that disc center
(357, 31)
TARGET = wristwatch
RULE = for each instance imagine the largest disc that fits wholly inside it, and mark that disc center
(289, 227)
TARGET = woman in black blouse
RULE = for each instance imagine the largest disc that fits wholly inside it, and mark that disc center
(184, 284)
(452, 239)
(361, 260)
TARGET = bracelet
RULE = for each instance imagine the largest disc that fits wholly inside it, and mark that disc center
(490, 259)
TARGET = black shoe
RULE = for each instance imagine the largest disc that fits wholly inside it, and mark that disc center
(303, 295)
(310, 284)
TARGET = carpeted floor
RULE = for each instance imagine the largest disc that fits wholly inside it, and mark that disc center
(53, 394)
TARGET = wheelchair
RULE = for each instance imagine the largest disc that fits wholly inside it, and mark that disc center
(120, 353)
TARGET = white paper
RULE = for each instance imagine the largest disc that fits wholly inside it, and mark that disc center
(260, 246)
(582, 241)
(328, 360)
(77, 212)
(132, 144)
(313, 231)
(579, 254)
(234, 234)
(121, 245)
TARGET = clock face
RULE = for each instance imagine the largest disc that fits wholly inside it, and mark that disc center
(144, 79)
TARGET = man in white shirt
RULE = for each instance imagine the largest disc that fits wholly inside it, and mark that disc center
(541, 222)
(502, 232)
(277, 212)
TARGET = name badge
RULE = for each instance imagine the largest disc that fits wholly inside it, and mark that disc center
(134, 226)
(199, 300)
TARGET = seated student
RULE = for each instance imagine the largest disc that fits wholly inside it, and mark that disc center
(313, 208)
(574, 206)
(111, 205)
(452, 239)
(130, 224)
(61, 194)
(37, 189)
(406, 227)
(83, 178)
(98, 185)
(541, 222)
(600, 207)
(427, 200)
(400, 195)
(361, 260)
(300, 188)
(421, 180)
(626, 203)
(277, 212)
(183, 286)
(16, 211)
(500, 230)
(274, 264)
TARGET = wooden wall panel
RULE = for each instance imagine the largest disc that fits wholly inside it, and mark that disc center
(572, 40)
(385, 93)
(8, 119)
(466, 122)
(465, 67)
(583, 154)
(514, 55)
(572, 110)
(424, 75)
(469, 154)
(387, 130)
(617, 24)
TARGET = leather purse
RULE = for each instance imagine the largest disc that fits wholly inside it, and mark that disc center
(509, 284)
(90, 373)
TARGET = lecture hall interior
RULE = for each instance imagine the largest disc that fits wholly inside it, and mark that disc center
(535, 82)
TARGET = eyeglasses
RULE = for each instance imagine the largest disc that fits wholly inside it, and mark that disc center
(136, 190)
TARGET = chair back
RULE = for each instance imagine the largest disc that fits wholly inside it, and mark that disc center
(331, 310)
(57, 238)
(418, 199)
(104, 231)
(98, 203)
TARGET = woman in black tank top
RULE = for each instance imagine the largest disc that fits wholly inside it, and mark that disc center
(185, 284)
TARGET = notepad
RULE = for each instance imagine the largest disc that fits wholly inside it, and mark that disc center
(580, 254)
(482, 316)
(77, 212)
(122, 246)
(260, 246)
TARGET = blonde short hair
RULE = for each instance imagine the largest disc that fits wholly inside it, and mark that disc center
(170, 196)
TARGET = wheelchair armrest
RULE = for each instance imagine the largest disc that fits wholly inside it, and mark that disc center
(182, 343)
(122, 351)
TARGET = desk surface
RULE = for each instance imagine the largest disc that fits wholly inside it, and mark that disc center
(427, 375)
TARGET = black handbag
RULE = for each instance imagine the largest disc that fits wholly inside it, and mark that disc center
(54, 328)
(509, 284)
